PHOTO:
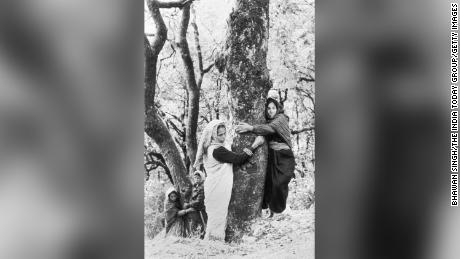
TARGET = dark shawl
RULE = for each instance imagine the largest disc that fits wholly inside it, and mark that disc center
(280, 123)
(197, 200)
(171, 210)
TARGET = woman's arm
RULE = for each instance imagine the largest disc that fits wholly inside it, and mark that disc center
(183, 212)
(196, 203)
(261, 130)
(224, 155)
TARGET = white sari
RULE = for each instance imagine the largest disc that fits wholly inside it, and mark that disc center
(218, 184)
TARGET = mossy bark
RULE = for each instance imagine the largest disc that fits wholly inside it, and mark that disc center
(245, 65)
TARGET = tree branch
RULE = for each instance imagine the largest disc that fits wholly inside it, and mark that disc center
(192, 87)
(206, 70)
(282, 100)
(293, 132)
(197, 40)
(307, 93)
(305, 79)
(175, 128)
(204, 118)
(151, 52)
(169, 3)
(157, 160)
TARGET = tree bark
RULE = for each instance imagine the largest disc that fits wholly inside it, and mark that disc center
(154, 126)
(192, 87)
(245, 63)
(156, 129)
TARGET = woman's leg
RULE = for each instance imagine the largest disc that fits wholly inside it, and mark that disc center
(268, 181)
(283, 171)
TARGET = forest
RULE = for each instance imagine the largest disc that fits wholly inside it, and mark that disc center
(221, 59)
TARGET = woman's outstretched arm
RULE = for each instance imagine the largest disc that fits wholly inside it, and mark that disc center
(224, 155)
(261, 130)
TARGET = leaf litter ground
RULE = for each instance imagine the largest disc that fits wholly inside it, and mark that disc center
(287, 235)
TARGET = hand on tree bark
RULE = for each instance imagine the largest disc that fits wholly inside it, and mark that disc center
(257, 142)
(247, 151)
(243, 128)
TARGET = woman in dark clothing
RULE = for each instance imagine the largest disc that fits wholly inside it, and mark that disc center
(281, 163)
(174, 214)
(198, 218)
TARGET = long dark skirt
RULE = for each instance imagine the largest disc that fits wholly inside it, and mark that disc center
(196, 223)
(280, 171)
(177, 228)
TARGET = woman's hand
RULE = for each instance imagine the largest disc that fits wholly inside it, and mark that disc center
(248, 152)
(243, 128)
(257, 142)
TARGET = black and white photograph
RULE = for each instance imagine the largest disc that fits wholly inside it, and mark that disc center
(229, 129)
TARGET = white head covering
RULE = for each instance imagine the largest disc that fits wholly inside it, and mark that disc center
(201, 174)
(169, 191)
(208, 137)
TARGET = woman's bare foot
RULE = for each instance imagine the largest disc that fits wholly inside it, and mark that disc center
(267, 213)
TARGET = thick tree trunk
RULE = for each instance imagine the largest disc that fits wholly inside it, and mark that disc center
(248, 80)
(157, 130)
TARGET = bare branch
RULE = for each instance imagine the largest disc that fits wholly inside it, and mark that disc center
(197, 39)
(170, 55)
(192, 88)
(204, 118)
(169, 3)
(293, 132)
(175, 128)
(156, 160)
(305, 79)
(282, 100)
(206, 70)
(307, 93)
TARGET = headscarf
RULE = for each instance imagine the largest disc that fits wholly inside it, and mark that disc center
(171, 208)
(169, 191)
(208, 137)
(201, 174)
(280, 122)
(279, 109)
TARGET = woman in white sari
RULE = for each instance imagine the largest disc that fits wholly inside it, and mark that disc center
(218, 160)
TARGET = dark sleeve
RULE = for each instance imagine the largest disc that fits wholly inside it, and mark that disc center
(170, 214)
(197, 202)
(223, 155)
(263, 129)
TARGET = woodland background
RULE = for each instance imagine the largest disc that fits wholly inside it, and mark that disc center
(290, 61)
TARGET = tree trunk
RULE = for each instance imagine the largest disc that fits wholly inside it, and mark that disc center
(248, 79)
(157, 130)
(192, 88)
(154, 126)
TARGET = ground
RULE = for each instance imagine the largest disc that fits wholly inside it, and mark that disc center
(287, 235)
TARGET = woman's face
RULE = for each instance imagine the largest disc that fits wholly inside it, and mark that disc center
(221, 132)
(271, 110)
(197, 178)
(173, 196)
